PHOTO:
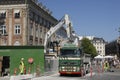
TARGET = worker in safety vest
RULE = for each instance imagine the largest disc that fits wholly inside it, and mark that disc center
(21, 66)
(106, 66)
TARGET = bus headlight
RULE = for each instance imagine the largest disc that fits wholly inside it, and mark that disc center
(78, 69)
(74, 69)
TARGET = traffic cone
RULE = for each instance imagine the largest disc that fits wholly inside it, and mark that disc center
(24, 70)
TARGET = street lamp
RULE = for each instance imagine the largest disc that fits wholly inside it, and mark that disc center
(118, 42)
(119, 31)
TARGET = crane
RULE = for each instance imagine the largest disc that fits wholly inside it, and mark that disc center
(64, 21)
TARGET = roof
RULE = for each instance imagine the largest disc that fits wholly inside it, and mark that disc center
(98, 39)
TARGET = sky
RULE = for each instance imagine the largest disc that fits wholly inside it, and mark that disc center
(99, 18)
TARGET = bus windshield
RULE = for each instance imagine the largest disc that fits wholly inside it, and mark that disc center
(70, 52)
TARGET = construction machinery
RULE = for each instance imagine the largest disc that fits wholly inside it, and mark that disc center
(71, 57)
(64, 22)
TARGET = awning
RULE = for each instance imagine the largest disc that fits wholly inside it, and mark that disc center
(108, 56)
(16, 11)
(99, 57)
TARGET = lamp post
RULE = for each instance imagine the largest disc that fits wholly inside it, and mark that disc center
(119, 31)
(118, 43)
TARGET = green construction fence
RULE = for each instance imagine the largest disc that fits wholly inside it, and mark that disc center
(15, 53)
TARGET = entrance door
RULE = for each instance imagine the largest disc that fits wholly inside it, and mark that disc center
(5, 65)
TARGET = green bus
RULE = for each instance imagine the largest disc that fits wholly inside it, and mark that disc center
(70, 60)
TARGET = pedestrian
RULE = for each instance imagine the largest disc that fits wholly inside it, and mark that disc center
(115, 63)
(106, 66)
(21, 66)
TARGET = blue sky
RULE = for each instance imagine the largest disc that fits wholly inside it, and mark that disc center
(100, 18)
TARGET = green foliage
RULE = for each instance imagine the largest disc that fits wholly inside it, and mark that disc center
(88, 47)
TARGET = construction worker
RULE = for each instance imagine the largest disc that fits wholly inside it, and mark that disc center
(106, 66)
(21, 66)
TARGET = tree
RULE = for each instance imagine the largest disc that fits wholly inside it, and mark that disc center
(88, 47)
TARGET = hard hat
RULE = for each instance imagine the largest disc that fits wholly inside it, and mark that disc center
(22, 58)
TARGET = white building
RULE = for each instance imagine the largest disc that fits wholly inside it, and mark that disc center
(99, 43)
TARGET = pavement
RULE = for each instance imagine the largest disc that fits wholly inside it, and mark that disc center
(49, 73)
(27, 76)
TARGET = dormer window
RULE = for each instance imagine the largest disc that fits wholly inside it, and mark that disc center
(17, 14)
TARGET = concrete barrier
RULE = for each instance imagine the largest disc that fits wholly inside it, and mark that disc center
(22, 77)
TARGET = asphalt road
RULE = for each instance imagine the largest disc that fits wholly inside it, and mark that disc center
(107, 75)
(95, 76)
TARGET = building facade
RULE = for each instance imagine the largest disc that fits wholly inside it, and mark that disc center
(99, 44)
(24, 22)
(113, 48)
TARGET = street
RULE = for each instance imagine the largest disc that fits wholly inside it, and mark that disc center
(95, 76)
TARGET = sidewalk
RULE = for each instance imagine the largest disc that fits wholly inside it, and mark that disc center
(5, 78)
(28, 76)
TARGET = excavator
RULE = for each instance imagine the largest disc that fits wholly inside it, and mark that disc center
(64, 22)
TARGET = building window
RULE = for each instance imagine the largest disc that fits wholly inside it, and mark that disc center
(31, 15)
(3, 15)
(31, 29)
(17, 14)
(41, 29)
(40, 20)
(3, 29)
(36, 18)
(37, 32)
(17, 29)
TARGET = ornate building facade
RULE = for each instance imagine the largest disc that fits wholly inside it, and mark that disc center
(99, 44)
(24, 22)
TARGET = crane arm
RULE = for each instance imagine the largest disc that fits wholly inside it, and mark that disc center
(54, 29)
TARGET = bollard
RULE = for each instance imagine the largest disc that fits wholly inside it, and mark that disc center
(90, 71)
(24, 70)
(29, 70)
(82, 72)
(98, 70)
(103, 68)
(15, 71)
(37, 71)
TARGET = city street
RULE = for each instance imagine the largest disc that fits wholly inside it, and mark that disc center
(57, 40)
(95, 76)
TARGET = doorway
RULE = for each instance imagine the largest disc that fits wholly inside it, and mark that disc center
(5, 66)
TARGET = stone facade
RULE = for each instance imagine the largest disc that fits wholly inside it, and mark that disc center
(99, 44)
(25, 22)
